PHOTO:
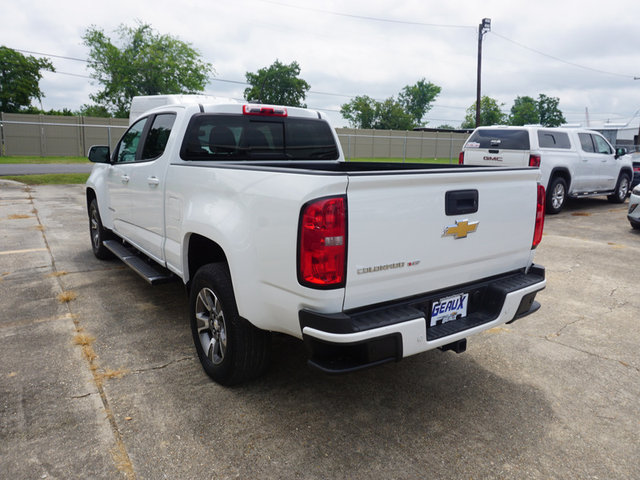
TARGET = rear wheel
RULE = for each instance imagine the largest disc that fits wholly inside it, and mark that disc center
(98, 233)
(622, 190)
(556, 195)
(230, 349)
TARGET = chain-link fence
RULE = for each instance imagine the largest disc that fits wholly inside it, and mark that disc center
(47, 135)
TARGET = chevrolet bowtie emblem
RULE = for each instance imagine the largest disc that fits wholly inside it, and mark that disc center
(461, 229)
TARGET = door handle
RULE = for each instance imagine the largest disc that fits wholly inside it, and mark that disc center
(153, 181)
(125, 179)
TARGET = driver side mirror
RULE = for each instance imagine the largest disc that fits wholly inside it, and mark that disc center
(621, 151)
(100, 154)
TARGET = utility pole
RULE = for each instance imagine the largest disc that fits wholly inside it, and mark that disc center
(483, 28)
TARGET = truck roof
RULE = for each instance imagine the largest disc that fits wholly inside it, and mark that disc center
(143, 104)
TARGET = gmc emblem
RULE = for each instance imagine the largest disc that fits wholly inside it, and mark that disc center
(495, 159)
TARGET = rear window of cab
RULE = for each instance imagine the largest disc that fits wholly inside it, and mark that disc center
(228, 137)
(501, 139)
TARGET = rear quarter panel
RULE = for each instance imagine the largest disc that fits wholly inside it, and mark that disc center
(253, 216)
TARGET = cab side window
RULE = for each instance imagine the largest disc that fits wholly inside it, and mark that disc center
(586, 142)
(158, 136)
(126, 150)
(601, 145)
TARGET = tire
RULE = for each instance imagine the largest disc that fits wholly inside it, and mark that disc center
(556, 195)
(230, 349)
(98, 233)
(635, 225)
(622, 190)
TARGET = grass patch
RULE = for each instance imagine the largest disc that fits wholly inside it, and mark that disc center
(109, 373)
(67, 296)
(33, 160)
(49, 179)
(445, 161)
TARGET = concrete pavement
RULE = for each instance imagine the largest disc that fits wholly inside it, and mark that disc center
(107, 384)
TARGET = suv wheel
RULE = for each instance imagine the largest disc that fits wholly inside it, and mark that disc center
(556, 195)
(622, 190)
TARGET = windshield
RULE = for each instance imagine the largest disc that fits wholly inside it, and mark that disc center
(243, 137)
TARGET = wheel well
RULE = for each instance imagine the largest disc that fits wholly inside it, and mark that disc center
(562, 174)
(91, 195)
(201, 252)
(628, 171)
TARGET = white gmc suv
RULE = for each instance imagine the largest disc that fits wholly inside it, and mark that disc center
(255, 210)
(573, 162)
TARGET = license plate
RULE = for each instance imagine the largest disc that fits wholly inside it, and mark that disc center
(449, 308)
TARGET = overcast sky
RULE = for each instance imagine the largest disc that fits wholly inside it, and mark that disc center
(585, 52)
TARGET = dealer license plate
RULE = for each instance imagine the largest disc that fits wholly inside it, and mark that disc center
(449, 308)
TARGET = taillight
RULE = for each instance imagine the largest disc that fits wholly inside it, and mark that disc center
(322, 244)
(534, 160)
(537, 233)
(265, 111)
(461, 158)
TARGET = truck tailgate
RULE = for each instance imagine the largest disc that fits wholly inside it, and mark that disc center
(402, 242)
(496, 157)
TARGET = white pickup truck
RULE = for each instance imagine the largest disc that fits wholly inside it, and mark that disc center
(254, 208)
(574, 162)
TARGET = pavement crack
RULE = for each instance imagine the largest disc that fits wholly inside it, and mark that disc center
(164, 365)
(601, 357)
(82, 396)
(119, 453)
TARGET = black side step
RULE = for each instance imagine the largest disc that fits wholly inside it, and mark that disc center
(152, 273)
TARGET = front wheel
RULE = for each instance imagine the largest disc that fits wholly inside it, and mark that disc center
(556, 195)
(98, 233)
(622, 190)
(230, 349)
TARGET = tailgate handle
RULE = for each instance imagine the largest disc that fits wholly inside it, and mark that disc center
(461, 202)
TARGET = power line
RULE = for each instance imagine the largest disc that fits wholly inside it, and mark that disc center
(560, 59)
(363, 17)
(51, 55)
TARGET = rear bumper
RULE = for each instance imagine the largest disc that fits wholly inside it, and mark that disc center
(369, 336)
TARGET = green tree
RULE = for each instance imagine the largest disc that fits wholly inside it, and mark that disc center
(94, 111)
(366, 112)
(145, 63)
(391, 115)
(277, 84)
(490, 113)
(20, 77)
(404, 113)
(550, 114)
(524, 111)
(417, 99)
(360, 112)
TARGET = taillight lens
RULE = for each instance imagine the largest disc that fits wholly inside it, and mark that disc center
(322, 243)
(268, 111)
(534, 160)
(537, 233)
(461, 158)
